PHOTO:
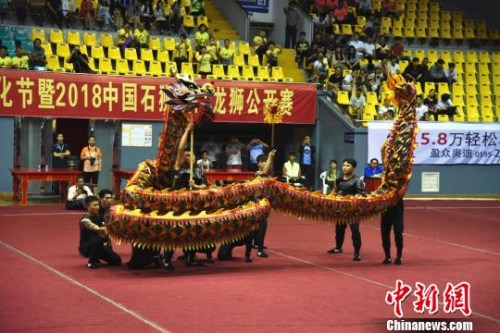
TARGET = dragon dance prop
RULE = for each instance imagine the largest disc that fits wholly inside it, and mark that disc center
(153, 215)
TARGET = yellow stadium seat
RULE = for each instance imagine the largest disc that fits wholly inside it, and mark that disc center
(346, 29)
(471, 100)
(495, 68)
(474, 118)
(202, 20)
(105, 66)
(163, 56)
(419, 88)
(68, 67)
(385, 31)
(471, 56)
(470, 68)
(497, 111)
(38, 33)
(107, 40)
(122, 66)
(187, 68)
(170, 68)
(458, 100)
(239, 59)
(139, 67)
(422, 22)
(97, 52)
(482, 33)
(432, 55)
(218, 71)
(147, 55)
(484, 57)
(459, 67)
(496, 91)
(233, 72)
(277, 73)
(188, 21)
(471, 89)
(336, 29)
(62, 50)
(445, 15)
(409, 32)
(446, 56)
(244, 48)
(445, 32)
(458, 89)
(484, 68)
(420, 32)
(90, 39)
(253, 60)
(434, 23)
(361, 20)
(397, 32)
(428, 87)
(371, 98)
(114, 53)
(73, 38)
(493, 34)
(169, 44)
(263, 73)
(386, 22)
(486, 100)
(47, 48)
(443, 88)
(486, 112)
(155, 68)
(470, 78)
(247, 73)
(420, 54)
(154, 43)
(343, 98)
(131, 54)
(443, 118)
(458, 33)
(433, 32)
(458, 56)
(56, 36)
(459, 117)
(53, 63)
(469, 33)
(484, 79)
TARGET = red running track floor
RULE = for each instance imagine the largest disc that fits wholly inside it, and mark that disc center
(45, 286)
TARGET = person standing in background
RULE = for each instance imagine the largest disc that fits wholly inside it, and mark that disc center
(92, 158)
(255, 148)
(233, 153)
(307, 151)
(60, 153)
(292, 20)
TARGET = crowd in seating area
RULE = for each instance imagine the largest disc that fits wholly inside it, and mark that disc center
(357, 43)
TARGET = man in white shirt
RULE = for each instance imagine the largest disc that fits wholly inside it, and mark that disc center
(233, 153)
(358, 102)
(369, 47)
(358, 45)
(393, 66)
(213, 149)
(347, 82)
(421, 107)
(77, 195)
(291, 170)
(385, 107)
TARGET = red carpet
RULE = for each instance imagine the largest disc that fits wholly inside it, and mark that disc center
(299, 288)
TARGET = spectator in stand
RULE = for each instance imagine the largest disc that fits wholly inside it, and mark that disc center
(175, 17)
(38, 10)
(372, 83)
(389, 8)
(147, 13)
(69, 12)
(5, 60)
(21, 8)
(160, 19)
(330, 45)
(359, 80)
(445, 107)
(424, 71)
(320, 68)
(301, 49)
(394, 66)
(213, 149)
(337, 57)
(197, 8)
(272, 54)
(374, 169)
(104, 14)
(341, 12)
(397, 48)
(372, 25)
(412, 71)
(383, 109)
(255, 148)
(306, 152)
(204, 163)
(292, 21)
(233, 153)
(389, 115)
(204, 59)
(201, 37)
(436, 73)
(260, 45)
(125, 38)
(365, 7)
(382, 50)
(335, 81)
(21, 60)
(428, 117)
(358, 44)
(348, 82)
(328, 23)
(37, 56)
(421, 108)
(213, 50)
(226, 53)
(86, 14)
(358, 102)
(77, 195)
(369, 48)
(352, 59)
(451, 73)
(317, 42)
(431, 101)
(141, 36)
(55, 11)
(181, 52)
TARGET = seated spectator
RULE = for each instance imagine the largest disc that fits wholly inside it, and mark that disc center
(175, 17)
(55, 11)
(382, 50)
(141, 37)
(337, 58)
(359, 82)
(69, 12)
(181, 52)
(394, 66)
(428, 117)
(103, 13)
(372, 25)
(21, 9)
(80, 62)
(291, 170)
(213, 49)
(38, 10)
(341, 12)
(389, 115)
(373, 83)
(146, 14)
(387, 106)
(21, 60)
(451, 73)
(421, 108)
(272, 55)
(445, 106)
(201, 37)
(412, 71)
(358, 102)
(330, 176)
(301, 49)
(397, 48)
(365, 7)
(358, 45)
(369, 48)
(204, 163)
(436, 73)
(226, 54)
(335, 81)
(197, 8)
(389, 8)
(352, 59)
(160, 18)
(431, 101)
(37, 56)
(348, 82)
(424, 71)
(5, 60)
(374, 169)
(125, 38)
(77, 194)
(320, 68)
(204, 60)
(87, 14)
(260, 45)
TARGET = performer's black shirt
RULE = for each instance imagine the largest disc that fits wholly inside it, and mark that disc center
(86, 234)
(351, 186)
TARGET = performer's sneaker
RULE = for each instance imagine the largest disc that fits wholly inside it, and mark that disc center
(397, 261)
(387, 261)
(248, 259)
(356, 257)
(335, 250)
(156, 261)
(93, 265)
(262, 254)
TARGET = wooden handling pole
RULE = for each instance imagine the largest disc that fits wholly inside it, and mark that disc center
(191, 155)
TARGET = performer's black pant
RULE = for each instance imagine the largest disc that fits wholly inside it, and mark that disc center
(393, 217)
(356, 236)
(142, 258)
(260, 235)
(98, 248)
(226, 250)
(307, 171)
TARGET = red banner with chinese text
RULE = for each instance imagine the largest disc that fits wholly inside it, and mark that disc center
(66, 95)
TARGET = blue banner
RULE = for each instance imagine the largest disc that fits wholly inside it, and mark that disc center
(255, 6)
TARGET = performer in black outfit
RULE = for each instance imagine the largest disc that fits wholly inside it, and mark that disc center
(393, 217)
(348, 184)
(94, 241)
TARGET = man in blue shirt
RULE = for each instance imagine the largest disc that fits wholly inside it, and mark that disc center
(374, 170)
(307, 151)
(255, 148)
